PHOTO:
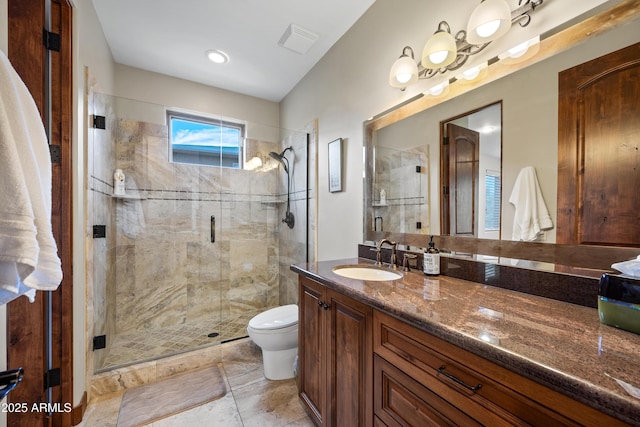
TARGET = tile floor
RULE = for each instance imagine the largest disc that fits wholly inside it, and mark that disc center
(147, 344)
(252, 400)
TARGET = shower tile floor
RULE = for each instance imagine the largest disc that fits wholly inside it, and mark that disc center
(149, 344)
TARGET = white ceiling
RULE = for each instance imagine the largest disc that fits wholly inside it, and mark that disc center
(171, 37)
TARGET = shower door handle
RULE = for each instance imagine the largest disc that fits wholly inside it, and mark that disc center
(213, 228)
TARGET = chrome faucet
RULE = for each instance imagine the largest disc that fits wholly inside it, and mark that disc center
(394, 257)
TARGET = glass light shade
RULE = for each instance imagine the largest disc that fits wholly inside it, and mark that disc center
(439, 51)
(438, 89)
(490, 20)
(521, 52)
(472, 73)
(254, 163)
(404, 72)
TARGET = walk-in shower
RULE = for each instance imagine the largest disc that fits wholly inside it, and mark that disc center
(159, 284)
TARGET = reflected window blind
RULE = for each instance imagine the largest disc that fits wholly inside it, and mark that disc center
(492, 197)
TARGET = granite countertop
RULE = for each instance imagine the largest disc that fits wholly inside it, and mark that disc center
(561, 345)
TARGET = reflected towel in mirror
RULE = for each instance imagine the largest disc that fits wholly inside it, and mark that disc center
(532, 216)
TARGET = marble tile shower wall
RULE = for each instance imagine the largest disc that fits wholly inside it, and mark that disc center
(167, 269)
(294, 244)
(407, 191)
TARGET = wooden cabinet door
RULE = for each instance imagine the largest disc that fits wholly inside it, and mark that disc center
(312, 350)
(462, 163)
(335, 357)
(350, 372)
(599, 151)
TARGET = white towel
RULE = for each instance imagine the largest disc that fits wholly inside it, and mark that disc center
(28, 252)
(532, 215)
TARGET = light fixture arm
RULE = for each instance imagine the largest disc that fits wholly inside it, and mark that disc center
(521, 15)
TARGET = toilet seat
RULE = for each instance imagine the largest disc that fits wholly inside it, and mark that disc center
(275, 318)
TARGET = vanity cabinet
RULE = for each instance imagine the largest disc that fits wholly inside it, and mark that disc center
(335, 366)
(360, 366)
(421, 380)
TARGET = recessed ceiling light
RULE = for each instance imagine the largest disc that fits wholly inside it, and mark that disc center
(217, 56)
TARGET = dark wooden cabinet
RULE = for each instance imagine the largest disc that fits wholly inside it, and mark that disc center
(421, 380)
(359, 366)
(334, 356)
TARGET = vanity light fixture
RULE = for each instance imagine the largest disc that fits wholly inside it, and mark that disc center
(217, 56)
(521, 51)
(440, 50)
(443, 52)
(404, 71)
(254, 163)
(439, 89)
(472, 73)
(490, 20)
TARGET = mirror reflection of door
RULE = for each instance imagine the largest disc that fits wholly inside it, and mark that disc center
(463, 153)
(470, 173)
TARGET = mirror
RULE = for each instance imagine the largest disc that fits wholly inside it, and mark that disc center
(529, 99)
(471, 153)
(402, 173)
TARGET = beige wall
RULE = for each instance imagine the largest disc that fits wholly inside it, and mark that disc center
(134, 83)
(349, 85)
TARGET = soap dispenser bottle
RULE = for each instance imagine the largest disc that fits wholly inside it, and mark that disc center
(431, 260)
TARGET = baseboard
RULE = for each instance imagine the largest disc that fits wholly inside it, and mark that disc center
(78, 412)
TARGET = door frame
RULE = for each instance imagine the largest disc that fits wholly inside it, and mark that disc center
(26, 322)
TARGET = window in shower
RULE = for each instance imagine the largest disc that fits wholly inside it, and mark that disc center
(204, 140)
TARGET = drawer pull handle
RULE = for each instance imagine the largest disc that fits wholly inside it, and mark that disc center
(323, 305)
(442, 368)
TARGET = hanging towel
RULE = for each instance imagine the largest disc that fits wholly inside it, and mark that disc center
(532, 216)
(28, 253)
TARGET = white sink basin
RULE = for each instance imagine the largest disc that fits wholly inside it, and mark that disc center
(366, 273)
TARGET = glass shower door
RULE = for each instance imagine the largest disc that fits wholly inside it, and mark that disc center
(157, 275)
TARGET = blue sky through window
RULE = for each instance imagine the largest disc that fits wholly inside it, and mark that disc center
(192, 133)
(206, 141)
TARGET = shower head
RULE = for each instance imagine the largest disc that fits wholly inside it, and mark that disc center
(281, 158)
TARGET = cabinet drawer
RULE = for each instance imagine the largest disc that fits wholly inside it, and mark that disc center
(486, 392)
(400, 401)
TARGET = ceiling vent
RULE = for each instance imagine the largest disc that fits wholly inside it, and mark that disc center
(298, 39)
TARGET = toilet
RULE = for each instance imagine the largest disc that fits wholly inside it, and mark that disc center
(275, 331)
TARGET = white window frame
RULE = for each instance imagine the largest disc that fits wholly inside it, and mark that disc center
(202, 154)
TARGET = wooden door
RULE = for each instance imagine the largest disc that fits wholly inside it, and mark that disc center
(311, 350)
(463, 158)
(26, 327)
(351, 363)
(599, 151)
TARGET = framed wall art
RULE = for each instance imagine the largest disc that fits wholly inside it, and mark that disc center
(335, 165)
